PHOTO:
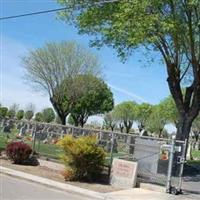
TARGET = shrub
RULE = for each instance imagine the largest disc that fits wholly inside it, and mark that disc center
(83, 158)
(18, 152)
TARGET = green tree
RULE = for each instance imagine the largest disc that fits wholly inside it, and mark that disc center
(125, 113)
(48, 115)
(156, 121)
(169, 110)
(28, 114)
(110, 121)
(12, 110)
(70, 120)
(11, 114)
(170, 28)
(3, 112)
(38, 117)
(20, 114)
(91, 96)
(47, 67)
(196, 130)
(144, 111)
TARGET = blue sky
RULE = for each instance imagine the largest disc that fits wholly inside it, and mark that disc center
(132, 80)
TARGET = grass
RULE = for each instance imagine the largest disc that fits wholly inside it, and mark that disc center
(3, 142)
(47, 150)
(196, 155)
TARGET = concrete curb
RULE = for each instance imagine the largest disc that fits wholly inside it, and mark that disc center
(51, 183)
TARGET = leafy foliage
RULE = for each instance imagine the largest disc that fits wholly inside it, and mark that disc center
(20, 114)
(28, 114)
(84, 160)
(169, 110)
(125, 113)
(3, 112)
(38, 117)
(48, 115)
(171, 28)
(47, 67)
(156, 121)
(11, 114)
(18, 152)
(144, 111)
(92, 96)
(110, 120)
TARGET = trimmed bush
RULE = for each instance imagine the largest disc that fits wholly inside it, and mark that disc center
(18, 152)
(84, 160)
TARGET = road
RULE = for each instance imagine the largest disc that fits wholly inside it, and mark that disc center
(18, 189)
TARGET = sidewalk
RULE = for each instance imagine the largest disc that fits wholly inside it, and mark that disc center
(131, 194)
(142, 194)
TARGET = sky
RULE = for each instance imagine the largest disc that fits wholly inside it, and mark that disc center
(136, 79)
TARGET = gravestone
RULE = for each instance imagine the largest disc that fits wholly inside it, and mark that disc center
(108, 146)
(19, 126)
(130, 143)
(123, 173)
(39, 135)
(22, 131)
(7, 128)
(146, 153)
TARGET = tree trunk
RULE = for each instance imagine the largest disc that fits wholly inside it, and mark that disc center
(183, 128)
(63, 120)
(59, 112)
(121, 128)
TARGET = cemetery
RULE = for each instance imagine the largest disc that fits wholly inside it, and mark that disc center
(100, 99)
(127, 159)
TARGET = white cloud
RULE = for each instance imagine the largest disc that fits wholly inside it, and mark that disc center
(126, 92)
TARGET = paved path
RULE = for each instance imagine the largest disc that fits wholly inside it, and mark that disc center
(18, 189)
(192, 184)
(141, 194)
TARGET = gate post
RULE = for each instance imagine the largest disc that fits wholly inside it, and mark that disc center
(182, 162)
(111, 151)
(170, 165)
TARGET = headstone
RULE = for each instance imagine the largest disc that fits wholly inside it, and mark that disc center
(22, 131)
(40, 135)
(123, 173)
(108, 146)
(32, 131)
(130, 144)
(7, 128)
(19, 126)
(147, 154)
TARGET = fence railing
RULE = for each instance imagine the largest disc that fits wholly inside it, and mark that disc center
(160, 160)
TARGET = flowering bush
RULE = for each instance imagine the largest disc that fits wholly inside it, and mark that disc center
(83, 158)
(18, 152)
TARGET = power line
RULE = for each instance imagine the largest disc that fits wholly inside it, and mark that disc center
(34, 13)
(52, 10)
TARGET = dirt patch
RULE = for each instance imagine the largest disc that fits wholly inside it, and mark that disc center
(56, 175)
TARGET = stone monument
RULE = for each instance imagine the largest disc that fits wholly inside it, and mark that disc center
(123, 173)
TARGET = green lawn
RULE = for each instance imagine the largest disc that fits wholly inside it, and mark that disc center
(47, 150)
(196, 155)
(3, 142)
(5, 138)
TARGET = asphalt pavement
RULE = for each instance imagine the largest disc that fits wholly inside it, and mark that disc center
(17, 189)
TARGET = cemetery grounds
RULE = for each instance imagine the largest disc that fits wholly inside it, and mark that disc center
(50, 151)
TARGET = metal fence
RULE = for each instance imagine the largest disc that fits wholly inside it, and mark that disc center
(159, 160)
